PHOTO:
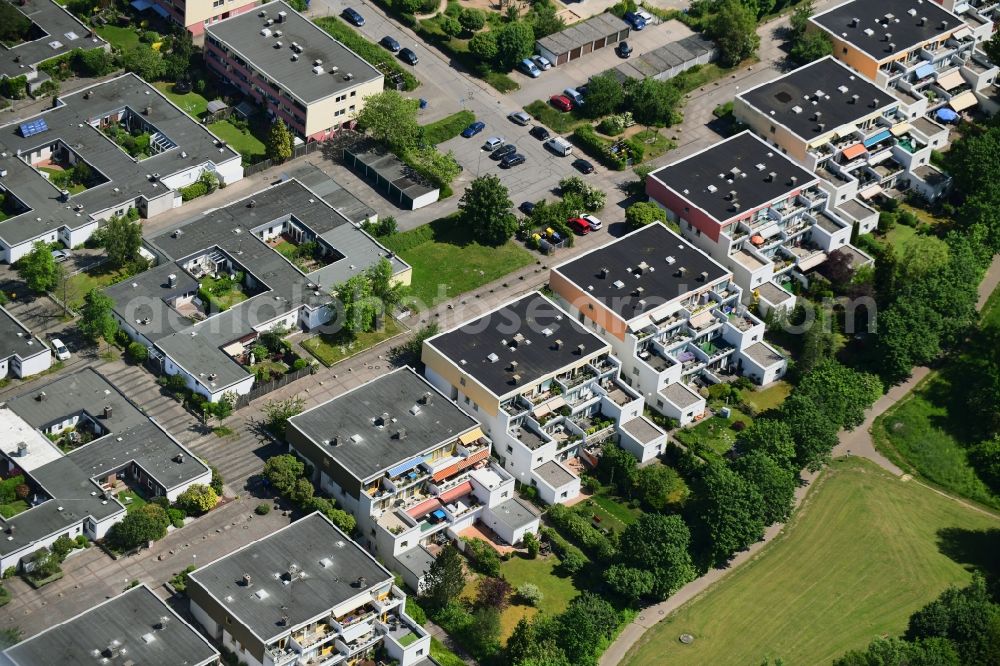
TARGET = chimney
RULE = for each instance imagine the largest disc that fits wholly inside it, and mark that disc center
(558, 344)
(41, 396)
(579, 349)
(681, 271)
(361, 581)
(922, 21)
(401, 433)
(513, 365)
(874, 102)
(516, 378)
(247, 580)
(854, 99)
(793, 181)
(770, 177)
(179, 458)
(820, 127)
(22, 449)
(944, 24)
(108, 411)
(703, 277)
(855, 22)
(604, 272)
(172, 280)
(891, 47)
(427, 398)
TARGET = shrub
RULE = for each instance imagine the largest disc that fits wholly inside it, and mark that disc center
(197, 499)
(179, 581)
(82, 541)
(193, 191)
(176, 517)
(472, 19)
(262, 509)
(9, 572)
(147, 523)
(62, 547)
(530, 594)
(560, 546)
(137, 352)
(484, 558)
(532, 544)
(579, 529)
(738, 426)
(299, 364)
(572, 562)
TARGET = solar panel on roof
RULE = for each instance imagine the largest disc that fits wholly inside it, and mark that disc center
(34, 127)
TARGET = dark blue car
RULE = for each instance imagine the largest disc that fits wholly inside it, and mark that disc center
(353, 17)
(634, 20)
(473, 129)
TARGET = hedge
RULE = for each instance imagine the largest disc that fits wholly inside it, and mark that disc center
(579, 529)
(408, 240)
(369, 51)
(194, 190)
(560, 546)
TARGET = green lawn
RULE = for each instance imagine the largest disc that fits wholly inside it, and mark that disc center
(865, 552)
(122, 38)
(444, 656)
(557, 590)
(192, 103)
(232, 293)
(330, 349)
(768, 398)
(715, 432)
(902, 237)
(447, 262)
(72, 188)
(242, 141)
(137, 500)
(448, 127)
(614, 514)
(11, 509)
(80, 284)
(558, 121)
(654, 143)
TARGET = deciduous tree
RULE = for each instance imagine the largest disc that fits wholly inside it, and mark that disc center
(515, 41)
(392, 119)
(729, 510)
(772, 437)
(39, 269)
(96, 317)
(604, 95)
(734, 29)
(197, 499)
(485, 208)
(775, 483)
(445, 579)
(279, 142)
(122, 239)
(659, 545)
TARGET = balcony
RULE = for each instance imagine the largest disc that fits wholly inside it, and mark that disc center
(743, 322)
(281, 655)
(342, 624)
(391, 600)
(317, 633)
(325, 657)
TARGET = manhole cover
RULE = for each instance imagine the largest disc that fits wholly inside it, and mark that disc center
(687, 639)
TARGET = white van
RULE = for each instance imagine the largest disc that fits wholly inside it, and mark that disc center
(574, 95)
(559, 146)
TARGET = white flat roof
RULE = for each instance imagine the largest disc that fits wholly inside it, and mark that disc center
(40, 450)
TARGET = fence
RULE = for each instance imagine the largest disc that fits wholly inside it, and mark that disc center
(263, 388)
(297, 151)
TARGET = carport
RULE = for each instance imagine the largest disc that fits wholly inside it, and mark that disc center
(388, 174)
(668, 60)
(583, 38)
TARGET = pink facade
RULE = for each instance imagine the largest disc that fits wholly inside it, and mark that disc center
(197, 28)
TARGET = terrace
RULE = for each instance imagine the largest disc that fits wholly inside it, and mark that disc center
(742, 322)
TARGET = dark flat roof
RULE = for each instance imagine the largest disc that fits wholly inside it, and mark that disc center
(584, 32)
(525, 331)
(59, 32)
(242, 35)
(324, 564)
(16, 339)
(132, 622)
(825, 86)
(358, 412)
(642, 259)
(741, 164)
(900, 18)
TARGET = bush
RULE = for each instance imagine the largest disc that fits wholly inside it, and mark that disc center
(572, 562)
(562, 548)
(176, 517)
(137, 352)
(62, 547)
(262, 509)
(532, 544)
(193, 191)
(147, 523)
(530, 594)
(9, 572)
(197, 499)
(579, 529)
(179, 581)
(299, 364)
(484, 558)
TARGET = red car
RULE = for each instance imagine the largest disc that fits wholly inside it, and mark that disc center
(579, 225)
(561, 102)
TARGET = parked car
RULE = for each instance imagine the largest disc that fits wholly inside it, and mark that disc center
(408, 56)
(529, 67)
(473, 129)
(623, 50)
(503, 151)
(60, 350)
(583, 166)
(61, 255)
(594, 223)
(512, 160)
(542, 62)
(634, 20)
(527, 207)
(390, 43)
(559, 146)
(493, 143)
(539, 133)
(353, 17)
(561, 102)
(574, 95)
(520, 118)
(644, 15)
(579, 225)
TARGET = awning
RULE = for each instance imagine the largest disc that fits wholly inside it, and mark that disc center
(812, 262)
(541, 411)
(901, 129)
(769, 231)
(665, 313)
(423, 508)
(924, 71)
(964, 33)
(701, 319)
(403, 468)
(870, 192)
(471, 436)
(950, 81)
(881, 136)
(461, 489)
(963, 101)
(640, 323)
(557, 402)
(857, 150)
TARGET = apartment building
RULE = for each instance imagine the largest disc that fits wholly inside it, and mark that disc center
(413, 468)
(294, 69)
(54, 32)
(545, 389)
(80, 139)
(916, 48)
(756, 212)
(979, 15)
(134, 627)
(208, 345)
(196, 15)
(856, 136)
(21, 353)
(78, 442)
(672, 315)
(306, 595)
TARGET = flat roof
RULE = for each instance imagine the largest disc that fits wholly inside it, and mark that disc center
(663, 59)
(642, 429)
(680, 395)
(73, 124)
(142, 300)
(532, 330)
(741, 164)
(516, 513)
(16, 339)
(426, 424)
(55, 33)
(136, 623)
(908, 22)
(243, 35)
(773, 293)
(763, 354)
(553, 474)
(840, 95)
(582, 33)
(299, 572)
(68, 480)
(390, 169)
(654, 259)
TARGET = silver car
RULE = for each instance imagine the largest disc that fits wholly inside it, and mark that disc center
(542, 62)
(520, 118)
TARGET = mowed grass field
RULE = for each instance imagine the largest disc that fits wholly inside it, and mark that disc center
(863, 553)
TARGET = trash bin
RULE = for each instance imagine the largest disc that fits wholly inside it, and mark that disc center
(423, 103)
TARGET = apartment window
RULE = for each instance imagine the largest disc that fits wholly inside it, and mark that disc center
(687, 209)
(341, 98)
(505, 493)
(772, 129)
(373, 531)
(353, 93)
(475, 407)
(467, 400)
(844, 50)
(510, 449)
(404, 544)
(352, 107)
(635, 371)
(461, 380)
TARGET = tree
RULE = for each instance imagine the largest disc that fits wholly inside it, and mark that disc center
(530, 594)
(729, 511)
(383, 285)
(197, 499)
(544, 18)
(535, 643)
(775, 483)
(617, 467)
(799, 19)
(143, 60)
(604, 95)
(772, 437)
(515, 41)
(439, 168)
(96, 317)
(652, 102)
(992, 47)
(642, 213)
(277, 413)
(445, 579)
(392, 119)
(734, 29)
(897, 652)
(483, 45)
(815, 432)
(812, 45)
(485, 208)
(283, 471)
(472, 19)
(360, 306)
(591, 198)
(586, 624)
(149, 522)
(39, 269)
(483, 635)
(14, 26)
(844, 393)
(985, 459)
(279, 142)
(659, 545)
(122, 239)
(818, 342)
(660, 487)
(342, 519)
(95, 62)
(302, 491)
(532, 545)
(967, 616)
(493, 593)
(630, 582)
(177, 64)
